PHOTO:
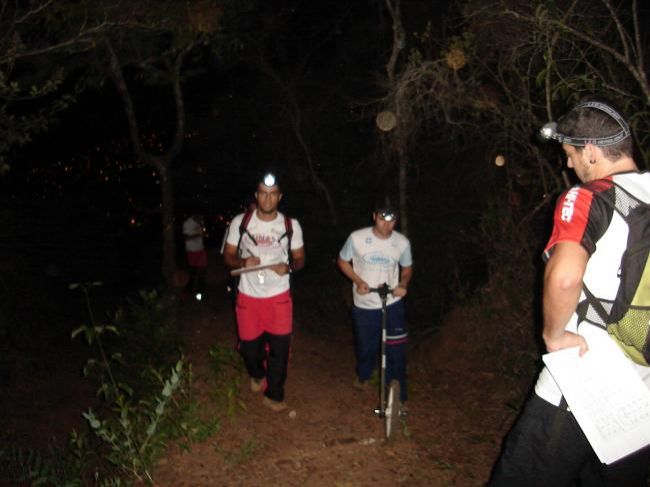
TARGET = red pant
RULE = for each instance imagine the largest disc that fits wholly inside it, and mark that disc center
(197, 259)
(258, 315)
(264, 326)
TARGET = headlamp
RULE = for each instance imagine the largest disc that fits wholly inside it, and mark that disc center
(549, 130)
(269, 180)
(387, 215)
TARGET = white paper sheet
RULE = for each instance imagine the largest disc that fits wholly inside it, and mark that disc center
(259, 267)
(607, 397)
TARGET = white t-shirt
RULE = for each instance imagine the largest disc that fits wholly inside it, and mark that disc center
(376, 261)
(192, 227)
(270, 245)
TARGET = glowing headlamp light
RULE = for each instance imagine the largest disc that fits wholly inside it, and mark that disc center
(549, 130)
(269, 180)
(387, 215)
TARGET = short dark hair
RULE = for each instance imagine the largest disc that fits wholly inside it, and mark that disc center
(384, 203)
(588, 121)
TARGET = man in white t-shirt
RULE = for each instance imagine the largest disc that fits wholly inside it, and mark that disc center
(197, 257)
(371, 257)
(272, 246)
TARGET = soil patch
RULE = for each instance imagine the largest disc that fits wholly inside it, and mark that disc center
(329, 436)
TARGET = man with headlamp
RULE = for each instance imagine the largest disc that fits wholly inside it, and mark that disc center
(546, 446)
(270, 246)
(371, 257)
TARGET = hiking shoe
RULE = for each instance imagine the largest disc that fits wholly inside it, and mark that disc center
(403, 410)
(276, 406)
(256, 384)
(362, 385)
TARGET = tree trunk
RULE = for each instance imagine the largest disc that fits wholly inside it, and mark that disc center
(399, 135)
(403, 192)
(161, 163)
(169, 266)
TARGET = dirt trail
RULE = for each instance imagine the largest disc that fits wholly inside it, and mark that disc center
(329, 436)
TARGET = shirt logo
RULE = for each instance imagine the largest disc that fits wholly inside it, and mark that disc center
(568, 205)
(377, 258)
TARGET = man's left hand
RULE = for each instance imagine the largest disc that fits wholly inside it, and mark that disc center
(399, 291)
(281, 269)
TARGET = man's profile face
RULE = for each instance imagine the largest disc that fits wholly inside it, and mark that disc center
(576, 159)
(267, 198)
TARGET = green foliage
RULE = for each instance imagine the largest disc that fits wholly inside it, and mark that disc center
(139, 421)
(18, 128)
(140, 339)
(135, 434)
(227, 367)
(148, 329)
(194, 425)
(23, 465)
(64, 467)
(146, 402)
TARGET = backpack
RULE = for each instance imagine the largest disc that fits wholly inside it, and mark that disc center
(233, 284)
(627, 317)
(243, 228)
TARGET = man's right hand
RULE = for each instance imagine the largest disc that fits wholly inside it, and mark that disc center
(250, 261)
(363, 288)
(566, 340)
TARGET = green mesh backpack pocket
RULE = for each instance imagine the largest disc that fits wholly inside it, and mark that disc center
(627, 317)
(630, 318)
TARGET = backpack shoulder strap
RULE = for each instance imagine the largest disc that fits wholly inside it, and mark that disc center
(243, 229)
(621, 199)
(288, 227)
(288, 233)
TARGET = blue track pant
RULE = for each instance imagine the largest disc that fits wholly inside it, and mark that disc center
(367, 331)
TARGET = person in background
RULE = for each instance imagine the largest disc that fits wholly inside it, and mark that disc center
(371, 257)
(546, 446)
(197, 257)
(272, 244)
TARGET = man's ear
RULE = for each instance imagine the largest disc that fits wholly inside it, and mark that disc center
(592, 152)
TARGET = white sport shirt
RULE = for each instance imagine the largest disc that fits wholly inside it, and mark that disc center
(269, 248)
(376, 261)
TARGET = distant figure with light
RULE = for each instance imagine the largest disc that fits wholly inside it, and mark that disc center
(263, 247)
(197, 257)
(582, 281)
(371, 257)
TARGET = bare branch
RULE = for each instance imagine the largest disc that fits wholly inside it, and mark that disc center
(179, 136)
(35, 11)
(637, 37)
(622, 34)
(398, 38)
